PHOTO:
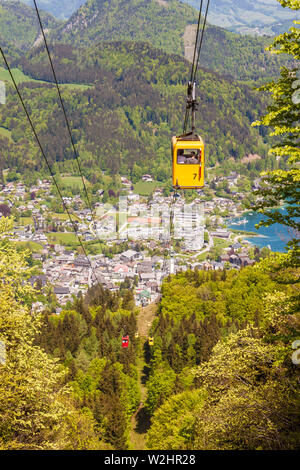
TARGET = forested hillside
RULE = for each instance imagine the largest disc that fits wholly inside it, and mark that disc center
(11, 51)
(123, 120)
(246, 17)
(163, 25)
(222, 359)
(19, 26)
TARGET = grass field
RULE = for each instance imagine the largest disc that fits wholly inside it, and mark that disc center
(202, 257)
(243, 232)
(59, 216)
(63, 238)
(26, 221)
(145, 188)
(75, 86)
(74, 182)
(5, 133)
(64, 216)
(33, 246)
(20, 77)
(221, 242)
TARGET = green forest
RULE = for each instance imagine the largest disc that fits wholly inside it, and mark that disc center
(132, 99)
(239, 56)
(12, 14)
(222, 359)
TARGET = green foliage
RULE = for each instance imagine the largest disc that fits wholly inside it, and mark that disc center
(102, 375)
(35, 410)
(233, 295)
(160, 384)
(245, 394)
(253, 387)
(283, 118)
(19, 26)
(174, 422)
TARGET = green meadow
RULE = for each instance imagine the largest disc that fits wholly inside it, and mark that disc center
(20, 77)
(62, 238)
(5, 133)
(145, 188)
(74, 182)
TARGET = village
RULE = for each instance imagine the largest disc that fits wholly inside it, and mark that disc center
(162, 234)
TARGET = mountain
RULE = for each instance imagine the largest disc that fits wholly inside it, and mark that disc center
(169, 25)
(249, 17)
(61, 9)
(240, 16)
(128, 101)
(19, 25)
(161, 23)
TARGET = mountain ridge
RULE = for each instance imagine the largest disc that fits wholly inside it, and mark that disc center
(240, 16)
(163, 25)
(262, 17)
(169, 26)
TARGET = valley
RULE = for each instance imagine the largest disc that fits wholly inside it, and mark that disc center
(264, 17)
(135, 316)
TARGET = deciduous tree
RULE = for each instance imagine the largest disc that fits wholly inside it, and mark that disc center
(283, 117)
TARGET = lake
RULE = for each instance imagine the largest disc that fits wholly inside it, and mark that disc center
(276, 236)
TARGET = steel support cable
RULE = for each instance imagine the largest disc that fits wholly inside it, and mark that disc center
(193, 64)
(196, 41)
(194, 69)
(201, 40)
(65, 115)
(46, 160)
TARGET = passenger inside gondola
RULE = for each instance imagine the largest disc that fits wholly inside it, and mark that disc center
(188, 156)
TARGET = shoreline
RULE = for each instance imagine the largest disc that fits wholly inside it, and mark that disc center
(270, 240)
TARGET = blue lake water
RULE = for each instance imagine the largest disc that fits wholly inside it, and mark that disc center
(276, 236)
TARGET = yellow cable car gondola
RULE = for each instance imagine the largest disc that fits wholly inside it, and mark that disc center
(188, 152)
(188, 161)
(151, 341)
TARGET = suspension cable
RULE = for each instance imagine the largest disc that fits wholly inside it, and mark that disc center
(194, 66)
(47, 162)
(200, 45)
(196, 42)
(66, 117)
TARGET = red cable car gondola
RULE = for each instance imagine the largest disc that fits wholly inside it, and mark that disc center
(125, 341)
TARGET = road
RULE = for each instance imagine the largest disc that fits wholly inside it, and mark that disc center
(204, 250)
(207, 248)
